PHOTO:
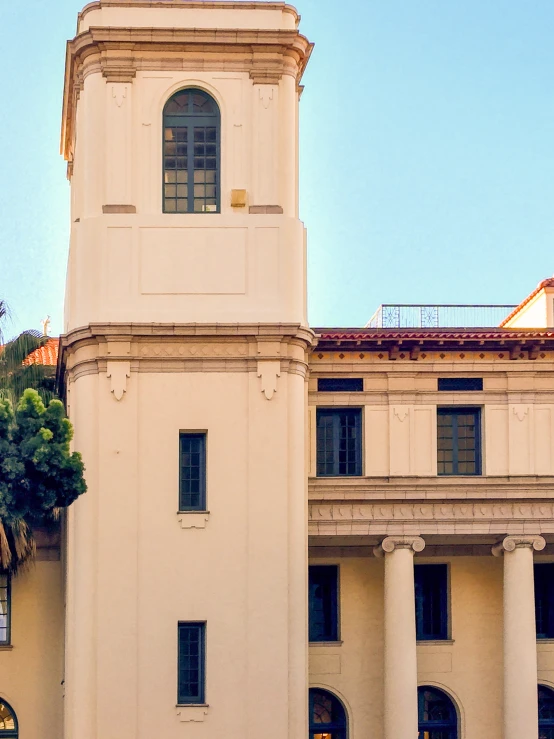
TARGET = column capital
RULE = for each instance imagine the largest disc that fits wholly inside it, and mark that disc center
(511, 543)
(390, 543)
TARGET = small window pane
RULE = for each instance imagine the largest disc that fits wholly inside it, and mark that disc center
(460, 384)
(340, 385)
(191, 663)
(458, 441)
(323, 603)
(431, 601)
(5, 608)
(339, 442)
(192, 496)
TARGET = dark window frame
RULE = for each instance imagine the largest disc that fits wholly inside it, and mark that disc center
(9, 733)
(348, 412)
(546, 725)
(543, 573)
(332, 608)
(191, 122)
(460, 384)
(457, 411)
(440, 612)
(8, 601)
(446, 728)
(338, 728)
(340, 385)
(202, 504)
(183, 697)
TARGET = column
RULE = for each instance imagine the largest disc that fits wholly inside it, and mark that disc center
(520, 638)
(400, 678)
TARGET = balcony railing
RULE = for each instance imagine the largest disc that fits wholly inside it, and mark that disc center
(438, 316)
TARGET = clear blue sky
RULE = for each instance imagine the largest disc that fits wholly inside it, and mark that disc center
(427, 154)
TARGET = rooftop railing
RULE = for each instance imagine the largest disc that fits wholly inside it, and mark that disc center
(438, 316)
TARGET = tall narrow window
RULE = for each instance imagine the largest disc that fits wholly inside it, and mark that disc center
(339, 442)
(323, 603)
(544, 600)
(459, 441)
(8, 722)
(192, 663)
(327, 716)
(431, 599)
(546, 712)
(191, 153)
(192, 474)
(5, 609)
(437, 715)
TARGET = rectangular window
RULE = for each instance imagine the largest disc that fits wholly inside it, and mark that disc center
(5, 609)
(544, 600)
(323, 603)
(431, 599)
(191, 663)
(340, 385)
(192, 472)
(339, 442)
(460, 384)
(459, 441)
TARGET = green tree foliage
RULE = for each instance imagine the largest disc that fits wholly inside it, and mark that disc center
(39, 475)
(17, 374)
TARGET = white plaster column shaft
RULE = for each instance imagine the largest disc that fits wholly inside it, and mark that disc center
(400, 673)
(520, 638)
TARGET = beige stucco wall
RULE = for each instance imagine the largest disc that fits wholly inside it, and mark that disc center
(31, 670)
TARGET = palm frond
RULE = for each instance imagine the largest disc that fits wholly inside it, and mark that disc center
(17, 546)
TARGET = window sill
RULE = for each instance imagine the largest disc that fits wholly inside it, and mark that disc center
(325, 643)
(192, 712)
(6, 647)
(544, 641)
(435, 642)
(193, 519)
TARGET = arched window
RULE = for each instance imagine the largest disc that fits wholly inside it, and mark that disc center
(191, 153)
(8, 721)
(546, 713)
(437, 716)
(327, 716)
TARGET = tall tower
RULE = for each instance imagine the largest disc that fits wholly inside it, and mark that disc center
(184, 357)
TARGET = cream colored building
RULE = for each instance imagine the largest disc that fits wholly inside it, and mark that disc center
(333, 533)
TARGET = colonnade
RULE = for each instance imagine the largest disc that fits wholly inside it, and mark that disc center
(520, 652)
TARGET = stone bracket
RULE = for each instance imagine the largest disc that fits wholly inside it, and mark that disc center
(268, 372)
(193, 519)
(118, 372)
(188, 714)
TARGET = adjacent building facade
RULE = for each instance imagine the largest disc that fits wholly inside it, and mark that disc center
(289, 532)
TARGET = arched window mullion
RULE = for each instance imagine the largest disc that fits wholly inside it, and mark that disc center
(191, 166)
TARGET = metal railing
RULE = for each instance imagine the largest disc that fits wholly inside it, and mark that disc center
(438, 316)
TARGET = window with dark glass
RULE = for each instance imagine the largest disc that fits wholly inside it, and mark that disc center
(460, 384)
(546, 712)
(323, 603)
(192, 473)
(459, 441)
(340, 385)
(544, 600)
(327, 716)
(339, 442)
(191, 153)
(191, 663)
(8, 721)
(431, 601)
(5, 609)
(437, 715)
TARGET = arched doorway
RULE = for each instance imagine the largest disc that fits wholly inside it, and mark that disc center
(437, 715)
(327, 716)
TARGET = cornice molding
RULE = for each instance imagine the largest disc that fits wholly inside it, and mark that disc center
(423, 518)
(117, 54)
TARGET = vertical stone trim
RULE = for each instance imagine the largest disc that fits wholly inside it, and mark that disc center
(400, 678)
(520, 638)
